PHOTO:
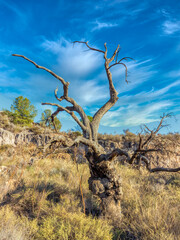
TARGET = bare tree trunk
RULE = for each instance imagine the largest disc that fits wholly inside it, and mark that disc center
(106, 184)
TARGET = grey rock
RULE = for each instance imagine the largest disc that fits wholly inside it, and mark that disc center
(6, 137)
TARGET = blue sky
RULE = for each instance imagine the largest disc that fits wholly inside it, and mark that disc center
(148, 31)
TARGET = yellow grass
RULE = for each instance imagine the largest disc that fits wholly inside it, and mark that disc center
(44, 201)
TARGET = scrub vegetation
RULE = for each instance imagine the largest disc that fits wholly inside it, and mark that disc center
(46, 200)
(81, 186)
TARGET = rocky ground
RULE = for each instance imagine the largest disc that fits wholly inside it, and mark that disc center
(40, 136)
(48, 197)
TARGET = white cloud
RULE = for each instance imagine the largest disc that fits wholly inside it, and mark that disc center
(100, 25)
(73, 60)
(77, 65)
(174, 74)
(121, 9)
(138, 73)
(141, 108)
(134, 114)
(146, 96)
(171, 27)
(90, 92)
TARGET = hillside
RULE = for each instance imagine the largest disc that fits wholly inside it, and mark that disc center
(49, 198)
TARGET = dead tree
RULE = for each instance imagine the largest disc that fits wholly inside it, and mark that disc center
(104, 181)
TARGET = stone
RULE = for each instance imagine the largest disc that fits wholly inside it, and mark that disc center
(6, 137)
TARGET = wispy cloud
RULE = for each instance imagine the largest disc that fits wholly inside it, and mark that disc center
(126, 8)
(15, 9)
(134, 114)
(90, 93)
(146, 96)
(141, 108)
(73, 60)
(174, 74)
(171, 27)
(101, 25)
(139, 72)
(78, 65)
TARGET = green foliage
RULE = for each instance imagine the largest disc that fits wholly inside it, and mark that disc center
(90, 118)
(47, 120)
(22, 112)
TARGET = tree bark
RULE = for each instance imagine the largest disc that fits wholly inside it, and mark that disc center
(105, 183)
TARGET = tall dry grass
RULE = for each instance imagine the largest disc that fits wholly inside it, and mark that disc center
(43, 200)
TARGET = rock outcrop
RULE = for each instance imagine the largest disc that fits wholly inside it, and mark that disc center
(170, 158)
(25, 137)
(6, 137)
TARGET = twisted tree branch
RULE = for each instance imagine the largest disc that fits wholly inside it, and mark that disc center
(158, 169)
(68, 110)
(91, 48)
(85, 125)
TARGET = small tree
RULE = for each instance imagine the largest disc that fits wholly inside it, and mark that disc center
(104, 180)
(47, 120)
(22, 111)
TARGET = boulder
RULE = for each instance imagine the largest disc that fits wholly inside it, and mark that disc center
(6, 137)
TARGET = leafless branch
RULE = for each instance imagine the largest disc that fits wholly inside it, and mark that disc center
(65, 96)
(86, 43)
(68, 143)
(46, 69)
(126, 70)
(117, 152)
(158, 169)
(117, 54)
(66, 109)
(114, 54)
(143, 146)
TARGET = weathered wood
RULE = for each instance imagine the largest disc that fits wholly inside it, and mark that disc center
(104, 181)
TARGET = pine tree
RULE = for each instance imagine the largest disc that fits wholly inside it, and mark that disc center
(22, 111)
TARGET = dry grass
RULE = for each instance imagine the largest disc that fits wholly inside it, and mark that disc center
(150, 204)
(44, 201)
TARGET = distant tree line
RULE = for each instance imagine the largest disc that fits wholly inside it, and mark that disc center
(23, 113)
